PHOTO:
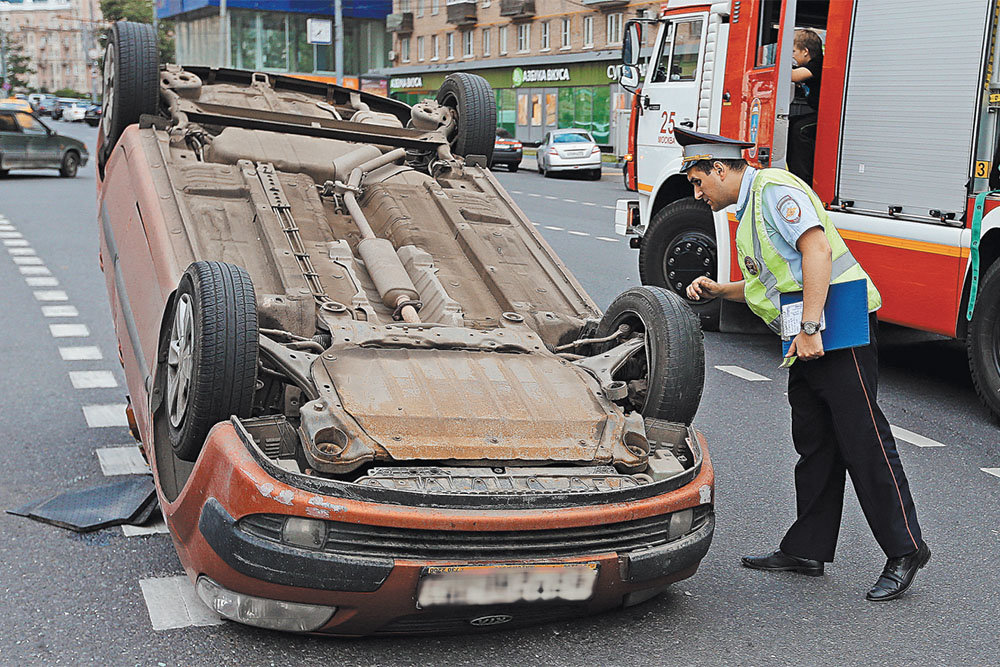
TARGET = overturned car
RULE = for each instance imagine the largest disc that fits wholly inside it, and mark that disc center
(373, 399)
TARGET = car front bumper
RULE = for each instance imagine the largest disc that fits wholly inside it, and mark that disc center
(377, 593)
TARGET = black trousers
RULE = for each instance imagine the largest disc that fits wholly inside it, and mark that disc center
(838, 428)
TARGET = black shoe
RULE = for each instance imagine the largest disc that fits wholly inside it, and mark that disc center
(898, 574)
(779, 561)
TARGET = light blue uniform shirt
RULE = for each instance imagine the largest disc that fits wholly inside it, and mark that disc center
(788, 212)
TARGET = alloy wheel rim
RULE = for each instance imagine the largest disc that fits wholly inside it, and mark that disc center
(180, 364)
(109, 89)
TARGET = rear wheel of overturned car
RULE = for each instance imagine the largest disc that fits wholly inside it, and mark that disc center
(211, 355)
(70, 164)
(131, 81)
(665, 378)
(679, 246)
(475, 106)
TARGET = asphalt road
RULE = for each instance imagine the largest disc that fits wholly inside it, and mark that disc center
(71, 599)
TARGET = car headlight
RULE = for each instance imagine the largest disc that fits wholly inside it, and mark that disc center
(263, 612)
(302, 532)
(680, 523)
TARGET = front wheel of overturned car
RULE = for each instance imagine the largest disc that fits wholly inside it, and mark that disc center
(679, 246)
(471, 98)
(665, 377)
(131, 81)
(983, 341)
(211, 355)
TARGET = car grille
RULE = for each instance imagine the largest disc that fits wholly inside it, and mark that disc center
(409, 543)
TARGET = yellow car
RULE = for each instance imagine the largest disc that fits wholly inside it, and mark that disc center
(16, 104)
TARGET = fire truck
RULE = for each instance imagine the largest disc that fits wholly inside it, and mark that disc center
(907, 159)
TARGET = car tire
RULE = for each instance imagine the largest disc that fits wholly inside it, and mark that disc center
(673, 366)
(210, 363)
(595, 175)
(472, 98)
(4, 172)
(131, 81)
(679, 240)
(512, 167)
(70, 165)
(983, 341)
(93, 122)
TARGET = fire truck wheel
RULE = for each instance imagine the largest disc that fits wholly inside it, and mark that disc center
(983, 340)
(131, 81)
(665, 378)
(210, 362)
(472, 98)
(678, 247)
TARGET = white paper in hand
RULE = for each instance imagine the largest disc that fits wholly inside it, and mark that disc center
(791, 320)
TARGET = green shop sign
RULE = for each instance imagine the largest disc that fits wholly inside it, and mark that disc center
(542, 75)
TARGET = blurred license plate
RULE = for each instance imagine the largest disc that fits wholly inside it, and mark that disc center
(576, 153)
(504, 584)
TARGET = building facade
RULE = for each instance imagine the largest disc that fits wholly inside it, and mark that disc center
(60, 37)
(552, 63)
(275, 36)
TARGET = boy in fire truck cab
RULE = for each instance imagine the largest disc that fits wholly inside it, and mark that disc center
(807, 75)
(786, 242)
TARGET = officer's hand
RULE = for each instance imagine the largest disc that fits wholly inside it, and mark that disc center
(806, 347)
(703, 286)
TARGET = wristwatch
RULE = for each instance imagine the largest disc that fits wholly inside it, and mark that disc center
(810, 327)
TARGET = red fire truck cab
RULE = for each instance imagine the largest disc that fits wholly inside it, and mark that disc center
(906, 143)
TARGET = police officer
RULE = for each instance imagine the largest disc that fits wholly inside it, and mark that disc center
(786, 242)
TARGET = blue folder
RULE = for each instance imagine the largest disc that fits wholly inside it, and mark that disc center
(846, 314)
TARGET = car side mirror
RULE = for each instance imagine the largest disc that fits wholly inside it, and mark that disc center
(631, 44)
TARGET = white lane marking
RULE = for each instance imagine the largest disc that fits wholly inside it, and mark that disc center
(571, 201)
(550, 197)
(34, 271)
(51, 295)
(42, 281)
(99, 416)
(991, 471)
(515, 192)
(69, 330)
(534, 194)
(173, 603)
(21, 252)
(913, 438)
(15, 243)
(23, 261)
(59, 311)
(92, 379)
(589, 203)
(535, 224)
(743, 373)
(11, 235)
(608, 207)
(158, 527)
(605, 238)
(122, 461)
(555, 229)
(576, 233)
(80, 353)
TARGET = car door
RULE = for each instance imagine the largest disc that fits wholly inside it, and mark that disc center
(38, 149)
(13, 145)
(669, 97)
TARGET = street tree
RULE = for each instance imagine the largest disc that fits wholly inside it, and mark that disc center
(141, 11)
(18, 65)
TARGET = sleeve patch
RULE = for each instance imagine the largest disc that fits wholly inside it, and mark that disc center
(789, 210)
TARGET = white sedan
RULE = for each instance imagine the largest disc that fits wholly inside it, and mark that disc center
(569, 150)
(75, 112)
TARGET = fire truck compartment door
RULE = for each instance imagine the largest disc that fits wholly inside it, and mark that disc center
(911, 104)
(671, 92)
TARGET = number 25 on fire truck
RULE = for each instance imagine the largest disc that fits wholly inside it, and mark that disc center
(907, 148)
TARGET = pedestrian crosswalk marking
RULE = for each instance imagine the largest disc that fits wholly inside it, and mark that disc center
(125, 460)
(42, 281)
(991, 471)
(158, 527)
(913, 438)
(172, 602)
(20, 251)
(27, 260)
(743, 373)
(34, 270)
(60, 311)
(51, 295)
(15, 243)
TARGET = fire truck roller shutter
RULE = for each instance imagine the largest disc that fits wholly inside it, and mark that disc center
(910, 105)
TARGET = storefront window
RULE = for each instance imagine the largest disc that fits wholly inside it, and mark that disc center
(522, 109)
(243, 30)
(567, 107)
(583, 106)
(272, 39)
(301, 56)
(507, 109)
(600, 118)
(550, 110)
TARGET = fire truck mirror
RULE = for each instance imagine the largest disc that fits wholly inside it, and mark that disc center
(631, 44)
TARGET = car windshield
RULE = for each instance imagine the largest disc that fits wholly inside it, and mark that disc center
(571, 138)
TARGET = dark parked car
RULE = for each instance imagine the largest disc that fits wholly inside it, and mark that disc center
(46, 105)
(507, 150)
(28, 143)
(93, 115)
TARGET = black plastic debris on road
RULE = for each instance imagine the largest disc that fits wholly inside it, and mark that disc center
(130, 501)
